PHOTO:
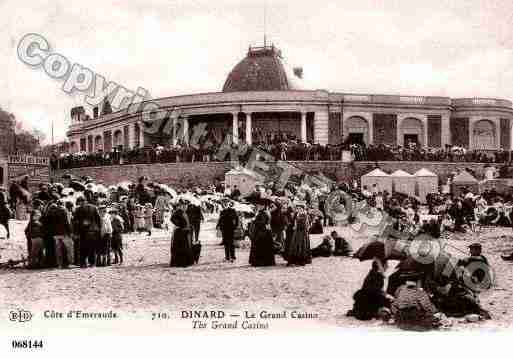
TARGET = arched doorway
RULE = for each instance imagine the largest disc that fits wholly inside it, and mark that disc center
(356, 129)
(484, 135)
(137, 135)
(98, 143)
(411, 130)
(118, 139)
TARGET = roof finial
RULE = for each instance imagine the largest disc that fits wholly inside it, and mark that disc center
(265, 24)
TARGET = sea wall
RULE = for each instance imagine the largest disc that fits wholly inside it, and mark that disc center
(191, 174)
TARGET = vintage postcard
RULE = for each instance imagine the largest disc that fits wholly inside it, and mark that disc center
(197, 169)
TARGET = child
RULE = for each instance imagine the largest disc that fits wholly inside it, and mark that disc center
(103, 251)
(148, 218)
(447, 223)
(117, 235)
(166, 219)
(35, 233)
(139, 218)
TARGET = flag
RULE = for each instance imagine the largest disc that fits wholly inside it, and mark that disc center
(17, 127)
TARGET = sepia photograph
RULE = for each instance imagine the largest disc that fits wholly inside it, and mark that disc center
(256, 169)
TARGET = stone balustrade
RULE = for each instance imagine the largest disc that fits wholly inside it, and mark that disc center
(465, 102)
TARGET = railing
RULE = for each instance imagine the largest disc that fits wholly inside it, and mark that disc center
(461, 102)
(317, 96)
(293, 153)
(398, 99)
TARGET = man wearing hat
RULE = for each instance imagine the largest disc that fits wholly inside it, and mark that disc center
(117, 235)
(59, 244)
(87, 226)
(228, 221)
(141, 191)
(477, 263)
(475, 255)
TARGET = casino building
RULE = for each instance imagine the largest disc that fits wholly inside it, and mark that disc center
(262, 97)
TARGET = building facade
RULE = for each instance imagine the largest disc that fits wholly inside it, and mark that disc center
(262, 100)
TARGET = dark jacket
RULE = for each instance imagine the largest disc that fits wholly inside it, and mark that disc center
(117, 225)
(278, 220)
(228, 220)
(142, 194)
(194, 213)
(87, 218)
(5, 213)
(56, 221)
(180, 219)
(34, 229)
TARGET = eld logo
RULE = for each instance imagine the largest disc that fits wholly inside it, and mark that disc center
(20, 315)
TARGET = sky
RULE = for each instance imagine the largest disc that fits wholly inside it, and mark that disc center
(433, 48)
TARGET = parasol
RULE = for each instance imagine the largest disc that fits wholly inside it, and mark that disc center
(100, 188)
(210, 198)
(77, 186)
(167, 189)
(242, 207)
(68, 191)
(125, 185)
(190, 198)
(370, 250)
(253, 197)
(258, 198)
(388, 249)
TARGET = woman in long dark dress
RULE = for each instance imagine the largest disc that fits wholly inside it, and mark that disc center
(181, 242)
(298, 249)
(262, 248)
(289, 231)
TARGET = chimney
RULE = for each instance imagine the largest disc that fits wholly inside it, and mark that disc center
(298, 71)
(77, 114)
(95, 112)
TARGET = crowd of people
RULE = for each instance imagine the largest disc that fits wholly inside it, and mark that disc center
(287, 151)
(79, 222)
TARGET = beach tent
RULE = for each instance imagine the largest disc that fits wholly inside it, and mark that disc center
(403, 182)
(425, 182)
(379, 178)
(464, 180)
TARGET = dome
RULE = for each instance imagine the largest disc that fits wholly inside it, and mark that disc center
(261, 70)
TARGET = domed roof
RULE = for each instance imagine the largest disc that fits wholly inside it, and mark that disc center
(261, 70)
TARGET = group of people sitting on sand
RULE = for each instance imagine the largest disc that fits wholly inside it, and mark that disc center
(422, 297)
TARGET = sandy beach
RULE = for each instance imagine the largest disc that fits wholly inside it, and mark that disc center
(145, 283)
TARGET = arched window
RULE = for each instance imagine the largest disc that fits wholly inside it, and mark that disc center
(484, 135)
(356, 130)
(118, 139)
(98, 143)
